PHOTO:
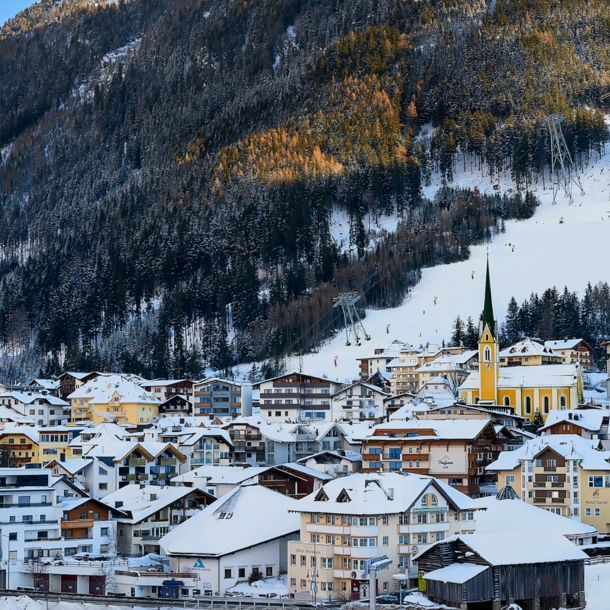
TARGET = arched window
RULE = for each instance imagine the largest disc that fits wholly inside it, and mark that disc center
(545, 403)
(434, 500)
(487, 354)
(528, 405)
(562, 401)
(476, 400)
(506, 401)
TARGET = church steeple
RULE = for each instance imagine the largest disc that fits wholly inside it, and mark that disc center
(488, 310)
(488, 349)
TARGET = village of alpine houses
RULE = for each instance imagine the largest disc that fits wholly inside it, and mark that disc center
(439, 476)
(304, 304)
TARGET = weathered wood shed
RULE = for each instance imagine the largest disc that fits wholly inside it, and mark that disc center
(469, 570)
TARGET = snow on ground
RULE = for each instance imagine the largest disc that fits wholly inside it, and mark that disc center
(26, 603)
(597, 586)
(268, 587)
(531, 256)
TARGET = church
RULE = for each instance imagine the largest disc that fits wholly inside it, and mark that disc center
(527, 389)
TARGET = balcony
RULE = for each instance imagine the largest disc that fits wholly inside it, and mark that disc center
(77, 524)
(76, 538)
(168, 461)
(24, 504)
(137, 462)
(143, 477)
(18, 446)
(150, 538)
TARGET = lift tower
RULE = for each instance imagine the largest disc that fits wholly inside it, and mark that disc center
(563, 170)
(353, 324)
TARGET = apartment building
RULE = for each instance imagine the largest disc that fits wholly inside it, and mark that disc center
(248, 442)
(43, 408)
(565, 474)
(379, 361)
(574, 351)
(353, 519)
(19, 444)
(455, 451)
(44, 518)
(200, 445)
(150, 463)
(360, 401)
(216, 397)
(297, 397)
(151, 512)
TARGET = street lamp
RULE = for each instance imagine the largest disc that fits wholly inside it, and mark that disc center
(401, 579)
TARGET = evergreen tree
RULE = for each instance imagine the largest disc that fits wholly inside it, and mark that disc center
(457, 338)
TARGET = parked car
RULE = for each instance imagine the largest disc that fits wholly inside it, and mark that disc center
(387, 599)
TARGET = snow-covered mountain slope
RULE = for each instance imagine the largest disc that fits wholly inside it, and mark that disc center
(531, 256)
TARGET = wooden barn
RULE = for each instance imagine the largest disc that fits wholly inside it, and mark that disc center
(489, 571)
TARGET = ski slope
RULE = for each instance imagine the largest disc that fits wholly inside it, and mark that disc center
(546, 253)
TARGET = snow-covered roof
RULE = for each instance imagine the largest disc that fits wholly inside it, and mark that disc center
(14, 428)
(47, 384)
(29, 397)
(69, 503)
(529, 347)
(589, 419)
(544, 376)
(458, 573)
(156, 383)
(119, 450)
(221, 475)
(441, 364)
(564, 344)
(570, 446)
(519, 547)
(443, 429)
(407, 412)
(74, 466)
(368, 386)
(302, 469)
(141, 503)
(14, 416)
(379, 493)
(234, 522)
(500, 516)
(102, 389)
(332, 456)
(219, 380)
(76, 375)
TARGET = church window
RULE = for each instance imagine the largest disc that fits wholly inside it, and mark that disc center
(562, 402)
(528, 405)
(507, 401)
(487, 354)
(545, 402)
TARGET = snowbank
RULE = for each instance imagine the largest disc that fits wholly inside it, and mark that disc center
(262, 588)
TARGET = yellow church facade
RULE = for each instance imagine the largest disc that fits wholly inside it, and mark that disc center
(527, 389)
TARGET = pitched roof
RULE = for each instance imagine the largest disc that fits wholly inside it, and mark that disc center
(529, 347)
(376, 493)
(565, 343)
(570, 446)
(443, 428)
(589, 419)
(545, 376)
(233, 523)
(458, 573)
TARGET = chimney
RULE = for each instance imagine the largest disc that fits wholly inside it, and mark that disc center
(569, 416)
(153, 497)
(391, 493)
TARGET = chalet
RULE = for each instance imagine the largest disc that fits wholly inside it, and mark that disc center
(455, 451)
(178, 405)
(248, 442)
(71, 381)
(588, 423)
(164, 389)
(574, 351)
(359, 401)
(503, 569)
(395, 401)
(231, 541)
(334, 463)
(529, 352)
(151, 512)
(378, 361)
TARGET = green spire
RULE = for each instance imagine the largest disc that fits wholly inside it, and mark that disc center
(488, 310)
